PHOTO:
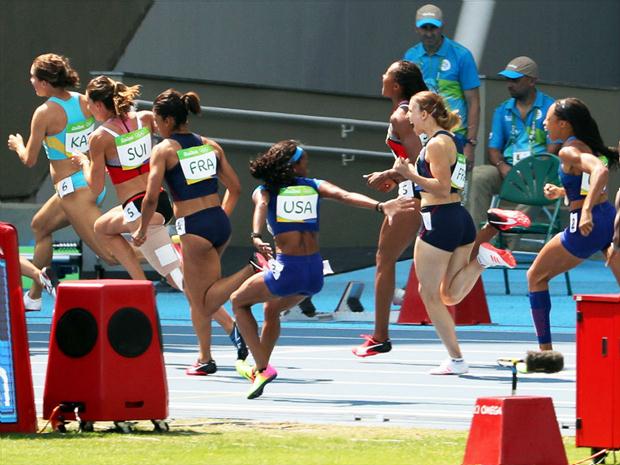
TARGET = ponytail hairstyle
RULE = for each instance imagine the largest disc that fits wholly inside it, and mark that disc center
(116, 96)
(172, 103)
(409, 77)
(584, 127)
(275, 167)
(56, 70)
(435, 105)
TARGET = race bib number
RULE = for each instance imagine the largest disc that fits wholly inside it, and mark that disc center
(134, 148)
(131, 212)
(405, 189)
(426, 219)
(76, 137)
(585, 179)
(460, 172)
(198, 163)
(518, 156)
(180, 226)
(276, 268)
(573, 222)
(65, 187)
(297, 204)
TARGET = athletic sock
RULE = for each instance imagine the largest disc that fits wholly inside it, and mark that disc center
(540, 303)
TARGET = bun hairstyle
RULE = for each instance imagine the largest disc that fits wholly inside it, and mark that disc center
(435, 105)
(116, 96)
(56, 70)
(274, 167)
(172, 103)
(409, 77)
(584, 127)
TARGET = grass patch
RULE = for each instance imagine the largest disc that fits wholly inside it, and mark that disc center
(236, 443)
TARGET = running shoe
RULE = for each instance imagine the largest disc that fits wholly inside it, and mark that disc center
(49, 280)
(32, 305)
(504, 220)
(237, 340)
(245, 370)
(259, 262)
(261, 379)
(491, 256)
(451, 366)
(372, 347)
(201, 369)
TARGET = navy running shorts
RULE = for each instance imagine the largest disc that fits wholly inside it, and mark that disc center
(447, 226)
(211, 224)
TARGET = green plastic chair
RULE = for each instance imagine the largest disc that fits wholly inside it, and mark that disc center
(524, 185)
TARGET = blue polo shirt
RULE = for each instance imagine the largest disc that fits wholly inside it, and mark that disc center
(516, 138)
(448, 72)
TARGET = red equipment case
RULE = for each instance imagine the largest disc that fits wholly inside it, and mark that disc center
(598, 371)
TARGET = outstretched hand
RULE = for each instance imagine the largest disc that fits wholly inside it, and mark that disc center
(380, 181)
(394, 207)
(263, 247)
(552, 192)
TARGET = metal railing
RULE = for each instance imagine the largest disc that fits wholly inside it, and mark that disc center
(347, 125)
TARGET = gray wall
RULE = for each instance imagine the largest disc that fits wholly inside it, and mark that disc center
(92, 33)
(344, 45)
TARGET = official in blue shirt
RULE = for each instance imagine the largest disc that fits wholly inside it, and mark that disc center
(517, 132)
(449, 69)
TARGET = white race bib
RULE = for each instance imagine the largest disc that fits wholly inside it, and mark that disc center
(585, 179)
(134, 148)
(518, 156)
(573, 222)
(426, 219)
(297, 204)
(405, 189)
(180, 226)
(76, 136)
(460, 172)
(198, 163)
(65, 187)
(131, 212)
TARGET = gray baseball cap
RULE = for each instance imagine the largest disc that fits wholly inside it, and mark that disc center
(429, 14)
(519, 67)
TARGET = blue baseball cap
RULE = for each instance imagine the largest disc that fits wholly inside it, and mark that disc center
(429, 14)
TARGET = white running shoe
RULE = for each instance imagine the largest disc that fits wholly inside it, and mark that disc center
(32, 305)
(49, 280)
(492, 256)
(451, 367)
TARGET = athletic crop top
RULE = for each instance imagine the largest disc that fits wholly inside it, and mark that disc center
(134, 151)
(576, 186)
(394, 142)
(195, 175)
(457, 169)
(75, 134)
(295, 207)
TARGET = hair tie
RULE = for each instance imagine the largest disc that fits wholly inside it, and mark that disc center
(296, 156)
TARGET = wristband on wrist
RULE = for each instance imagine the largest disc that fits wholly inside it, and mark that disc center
(256, 235)
(379, 207)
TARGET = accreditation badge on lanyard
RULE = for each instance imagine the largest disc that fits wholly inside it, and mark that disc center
(198, 163)
(460, 172)
(585, 179)
(297, 204)
(134, 148)
(76, 135)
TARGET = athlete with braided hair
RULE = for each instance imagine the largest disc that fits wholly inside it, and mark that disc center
(289, 202)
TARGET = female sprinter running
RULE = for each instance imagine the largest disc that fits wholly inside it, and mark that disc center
(192, 166)
(122, 146)
(289, 202)
(584, 161)
(400, 82)
(62, 125)
(447, 235)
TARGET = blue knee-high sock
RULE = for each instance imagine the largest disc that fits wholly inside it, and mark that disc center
(541, 308)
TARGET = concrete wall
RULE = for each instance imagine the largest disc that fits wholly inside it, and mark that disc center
(93, 34)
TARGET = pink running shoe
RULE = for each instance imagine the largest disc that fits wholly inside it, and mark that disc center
(259, 262)
(372, 347)
(491, 256)
(504, 220)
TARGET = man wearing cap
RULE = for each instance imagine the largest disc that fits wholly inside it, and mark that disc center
(517, 132)
(448, 69)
